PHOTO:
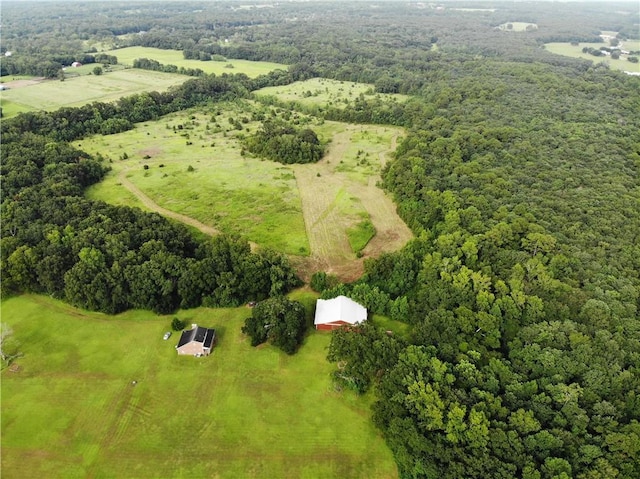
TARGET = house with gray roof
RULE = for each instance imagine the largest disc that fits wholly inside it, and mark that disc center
(197, 341)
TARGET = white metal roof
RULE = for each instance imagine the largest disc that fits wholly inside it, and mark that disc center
(339, 309)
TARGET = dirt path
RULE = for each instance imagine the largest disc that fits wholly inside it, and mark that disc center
(320, 188)
(323, 192)
(153, 206)
(24, 82)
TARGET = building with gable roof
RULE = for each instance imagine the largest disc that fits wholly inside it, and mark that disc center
(341, 311)
(197, 341)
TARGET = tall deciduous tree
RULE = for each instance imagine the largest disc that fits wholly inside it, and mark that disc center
(279, 321)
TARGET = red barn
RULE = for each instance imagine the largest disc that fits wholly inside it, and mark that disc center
(337, 312)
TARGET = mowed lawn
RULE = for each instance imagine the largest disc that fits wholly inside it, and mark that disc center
(252, 69)
(82, 89)
(70, 407)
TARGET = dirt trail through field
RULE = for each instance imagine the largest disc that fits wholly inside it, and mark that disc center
(320, 188)
(153, 206)
(324, 192)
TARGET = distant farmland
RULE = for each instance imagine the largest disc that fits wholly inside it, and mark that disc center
(575, 51)
(126, 56)
(81, 87)
(40, 94)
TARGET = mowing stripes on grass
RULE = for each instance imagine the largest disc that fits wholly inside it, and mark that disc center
(71, 409)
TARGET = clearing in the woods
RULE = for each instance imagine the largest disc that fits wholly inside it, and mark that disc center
(191, 166)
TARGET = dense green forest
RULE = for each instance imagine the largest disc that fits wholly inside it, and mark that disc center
(108, 258)
(519, 175)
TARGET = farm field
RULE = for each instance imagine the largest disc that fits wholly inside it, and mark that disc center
(574, 51)
(324, 92)
(40, 94)
(70, 408)
(252, 69)
(192, 164)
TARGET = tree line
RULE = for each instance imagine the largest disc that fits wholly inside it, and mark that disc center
(154, 65)
(111, 258)
(522, 286)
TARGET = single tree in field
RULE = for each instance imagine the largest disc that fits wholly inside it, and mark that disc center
(278, 320)
(97, 70)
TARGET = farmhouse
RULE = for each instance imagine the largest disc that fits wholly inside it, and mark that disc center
(337, 312)
(197, 341)
(76, 64)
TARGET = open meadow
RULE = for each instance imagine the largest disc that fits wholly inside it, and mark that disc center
(70, 407)
(78, 90)
(252, 69)
(324, 92)
(328, 216)
(195, 167)
(575, 51)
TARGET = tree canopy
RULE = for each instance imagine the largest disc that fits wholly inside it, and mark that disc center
(518, 175)
(278, 320)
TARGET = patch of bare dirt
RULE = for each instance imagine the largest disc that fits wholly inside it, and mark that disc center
(24, 82)
(151, 151)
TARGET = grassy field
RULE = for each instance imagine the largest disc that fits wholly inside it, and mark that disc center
(360, 235)
(78, 89)
(126, 56)
(209, 179)
(323, 92)
(70, 409)
(575, 51)
(341, 191)
(195, 167)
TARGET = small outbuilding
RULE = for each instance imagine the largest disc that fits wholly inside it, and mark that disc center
(337, 312)
(197, 341)
(76, 64)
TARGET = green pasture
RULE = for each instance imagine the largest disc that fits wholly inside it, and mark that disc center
(10, 108)
(6, 78)
(70, 407)
(398, 328)
(252, 69)
(82, 89)
(192, 163)
(574, 51)
(324, 92)
(196, 167)
(365, 148)
(360, 235)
